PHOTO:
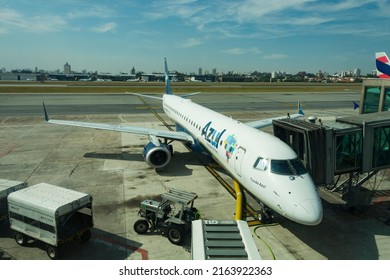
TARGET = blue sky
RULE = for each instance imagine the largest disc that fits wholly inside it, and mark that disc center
(262, 35)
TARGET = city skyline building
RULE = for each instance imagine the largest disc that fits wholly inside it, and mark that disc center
(67, 69)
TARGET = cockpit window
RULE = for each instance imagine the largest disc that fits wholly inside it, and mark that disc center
(287, 167)
(261, 164)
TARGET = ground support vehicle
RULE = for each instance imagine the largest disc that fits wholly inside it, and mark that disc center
(7, 187)
(172, 216)
(50, 214)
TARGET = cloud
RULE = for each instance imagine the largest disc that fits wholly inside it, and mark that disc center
(254, 10)
(308, 21)
(274, 56)
(234, 51)
(104, 28)
(11, 19)
(94, 11)
(254, 18)
(191, 42)
(46, 23)
(340, 6)
(241, 51)
(182, 9)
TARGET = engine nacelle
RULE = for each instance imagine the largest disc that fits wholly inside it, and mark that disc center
(157, 156)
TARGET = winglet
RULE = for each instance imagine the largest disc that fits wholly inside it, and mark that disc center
(46, 115)
(168, 89)
(300, 110)
(355, 105)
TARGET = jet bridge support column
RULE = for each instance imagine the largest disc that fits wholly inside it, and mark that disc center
(239, 200)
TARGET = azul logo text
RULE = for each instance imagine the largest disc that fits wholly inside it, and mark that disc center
(211, 135)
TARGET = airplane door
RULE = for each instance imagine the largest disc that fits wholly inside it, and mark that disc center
(238, 160)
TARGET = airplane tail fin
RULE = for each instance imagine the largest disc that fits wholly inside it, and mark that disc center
(300, 110)
(168, 89)
(382, 65)
(355, 105)
(45, 112)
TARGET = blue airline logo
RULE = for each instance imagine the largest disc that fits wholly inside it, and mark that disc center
(211, 135)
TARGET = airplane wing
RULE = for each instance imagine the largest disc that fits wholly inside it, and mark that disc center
(171, 135)
(267, 122)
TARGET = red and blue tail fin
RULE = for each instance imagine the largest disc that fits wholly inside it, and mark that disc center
(382, 65)
(168, 89)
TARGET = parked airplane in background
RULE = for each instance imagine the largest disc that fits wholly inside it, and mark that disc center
(264, 165)
(382, 65)
(86, 80)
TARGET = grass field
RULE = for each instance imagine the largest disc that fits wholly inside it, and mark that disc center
(177, 87)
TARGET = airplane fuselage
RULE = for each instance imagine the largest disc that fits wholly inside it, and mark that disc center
(264, 165)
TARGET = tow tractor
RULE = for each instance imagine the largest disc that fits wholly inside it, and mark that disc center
(172, 216)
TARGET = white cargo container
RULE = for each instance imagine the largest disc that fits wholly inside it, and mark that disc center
(7, 187)
(51, 214)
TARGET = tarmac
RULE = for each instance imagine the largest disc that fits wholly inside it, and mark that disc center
(110, 167)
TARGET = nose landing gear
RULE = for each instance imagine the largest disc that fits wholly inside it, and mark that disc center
(266, 216)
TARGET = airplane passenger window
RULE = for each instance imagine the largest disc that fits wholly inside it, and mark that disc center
(261, 164)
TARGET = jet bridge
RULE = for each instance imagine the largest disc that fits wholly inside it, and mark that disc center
(355, 148)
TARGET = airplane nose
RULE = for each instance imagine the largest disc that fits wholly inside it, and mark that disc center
(309, 212)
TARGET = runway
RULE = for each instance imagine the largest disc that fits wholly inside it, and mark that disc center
(73, 104)
(110, 166)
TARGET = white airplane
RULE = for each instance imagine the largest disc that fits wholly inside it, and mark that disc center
(86, 80)
(264, 165)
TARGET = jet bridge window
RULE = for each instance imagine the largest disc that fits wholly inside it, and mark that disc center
(371, 99)
(386, 102)
(288, 167)
(381, 147)
(349, 149)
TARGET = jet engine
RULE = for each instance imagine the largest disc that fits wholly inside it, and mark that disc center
(157, 155)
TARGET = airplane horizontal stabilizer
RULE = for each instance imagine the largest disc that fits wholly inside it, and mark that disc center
(145, 95)
(189, 94)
